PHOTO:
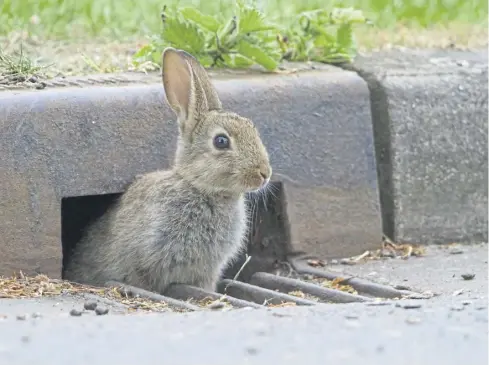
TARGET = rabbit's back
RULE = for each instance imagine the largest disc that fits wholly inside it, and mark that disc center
(162, 231)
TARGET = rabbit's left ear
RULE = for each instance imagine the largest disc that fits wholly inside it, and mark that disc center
(203, 82)
(188, 89)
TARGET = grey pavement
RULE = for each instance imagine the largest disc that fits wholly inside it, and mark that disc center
(449, 329)
(350, 334)
(440, 270)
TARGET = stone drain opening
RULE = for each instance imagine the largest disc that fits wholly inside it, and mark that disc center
(76, 214)
(274, 276)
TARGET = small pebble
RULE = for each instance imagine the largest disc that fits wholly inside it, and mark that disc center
(21, 317)
(40, 85)
(216, 305)
(351, 316)
(25, 339)
(75, 313)
(457, 308)
(36, 315)
(408, 305)
(251, 351)
(90, 305)
(402, 287)
(466, 302)
(463, 63)
(468, 276)
(18, 78)
(334, 262)
(456, 251)
(347, 262)
(100, 311)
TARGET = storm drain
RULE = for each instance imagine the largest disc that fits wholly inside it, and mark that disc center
(269, 274)
(310, 287)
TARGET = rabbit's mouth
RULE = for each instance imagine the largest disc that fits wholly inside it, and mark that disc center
(260, 187)
(259, 178)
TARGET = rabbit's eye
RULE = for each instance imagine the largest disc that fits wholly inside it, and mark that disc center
(221, 142)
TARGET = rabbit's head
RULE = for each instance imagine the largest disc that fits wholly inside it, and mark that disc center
(217, 151)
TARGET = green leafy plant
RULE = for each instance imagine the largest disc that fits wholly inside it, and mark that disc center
(322, 36)
(248, 38)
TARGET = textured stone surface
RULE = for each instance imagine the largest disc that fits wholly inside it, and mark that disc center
(70, 142)
(430, 121)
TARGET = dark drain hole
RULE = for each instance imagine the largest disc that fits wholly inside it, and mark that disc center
(267, 239)
(76, 214)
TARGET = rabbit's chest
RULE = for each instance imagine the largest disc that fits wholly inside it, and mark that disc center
(202, 230)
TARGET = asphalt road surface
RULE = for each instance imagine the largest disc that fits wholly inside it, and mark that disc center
(449, 329)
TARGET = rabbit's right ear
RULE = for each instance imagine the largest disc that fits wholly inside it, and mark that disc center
(188, 89)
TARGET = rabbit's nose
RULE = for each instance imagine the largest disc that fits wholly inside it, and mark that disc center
(265, 173)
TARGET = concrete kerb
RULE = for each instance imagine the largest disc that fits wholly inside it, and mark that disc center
(430, 112)
(78, 142)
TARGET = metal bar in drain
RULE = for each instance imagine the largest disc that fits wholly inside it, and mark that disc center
(283, 284)
(185, 292)
(238, 289)
(360, 285)
(132, 290)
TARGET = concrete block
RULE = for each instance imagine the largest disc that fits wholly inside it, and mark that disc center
(430, 121)
(57, 144)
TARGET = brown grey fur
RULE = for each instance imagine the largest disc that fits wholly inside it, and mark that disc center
(184, 225)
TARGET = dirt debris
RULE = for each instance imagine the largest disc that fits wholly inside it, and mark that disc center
(388, 250)
(301, 294)
(336, 284)
(21, 286)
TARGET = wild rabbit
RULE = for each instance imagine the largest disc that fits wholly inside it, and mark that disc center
(184, 225)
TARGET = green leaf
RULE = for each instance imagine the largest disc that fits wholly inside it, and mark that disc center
(252, 20)
(206, 21)
(236, 61)
(249, 38)
(183, 34)
(240, 61)
(344, 37)
(255, 54)
(205, 60)
(227, 34)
